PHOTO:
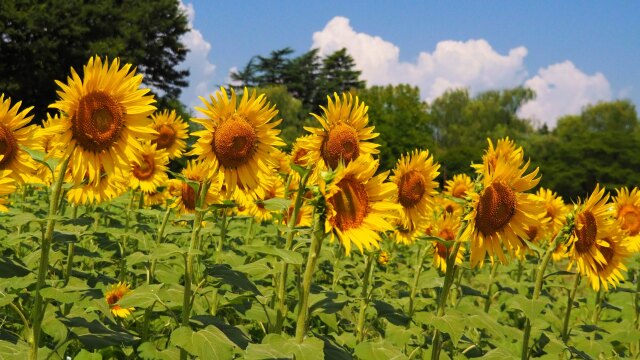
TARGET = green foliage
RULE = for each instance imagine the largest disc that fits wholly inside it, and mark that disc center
(40, 41)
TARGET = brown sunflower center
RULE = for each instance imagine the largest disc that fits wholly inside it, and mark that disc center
(411, 189)
(8, 146)
(586, 230)
(297, 157)
(113, 298)
(166, 136)
(459, 191)
(234, 142)
(145, 169)
(442, 250)
(341, 143)
(446, 234)
(630, 216)
(532, 232)
(98, 121)
(496, 207)
(351, 204)
(188, 197)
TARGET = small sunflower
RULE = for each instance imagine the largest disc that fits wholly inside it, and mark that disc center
(186, 196)
(357, 204)
(114, 294)
(383, 258)
(615, 252)
(554, 213)
(272, 188)
(107, 187)
(407, 234)
(157, 197)
(594, 221)
(239, 138)
(104, 113)
(14, 133)
(627, 208)
(343, 135)
(7, 186)
(501, 212)
(305, 214)
(149, 168)
(458, 186)
(446, 228)
(505, 150)
(172, 133)
(414, 176)
(282, 162)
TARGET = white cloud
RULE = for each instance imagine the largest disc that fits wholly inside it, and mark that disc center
(562, 88)
(197, 62)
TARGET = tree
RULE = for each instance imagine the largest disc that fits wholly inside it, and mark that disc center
(272, 69)
(41, 40)
(290, 110)
(338, 73)
(302, 78)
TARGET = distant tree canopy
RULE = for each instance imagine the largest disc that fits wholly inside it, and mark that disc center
(308, 77)
(41, 40)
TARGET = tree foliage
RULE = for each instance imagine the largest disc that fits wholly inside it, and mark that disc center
(41, 40)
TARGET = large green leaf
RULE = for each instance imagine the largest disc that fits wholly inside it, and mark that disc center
(288, 256)
(380, 350)
(208, 343)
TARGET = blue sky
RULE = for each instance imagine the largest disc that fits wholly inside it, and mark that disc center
(571, 52)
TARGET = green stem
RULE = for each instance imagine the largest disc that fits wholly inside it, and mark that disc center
(492, 277)
(536, 292)
(449, 276)
(416, 278)
(223, 231)
(364, 297)
(598, 307)
(571, 295)
(312, 258)
(190, 257)
(38, 306)
(125, 238)
(281, 305)
(159, 238)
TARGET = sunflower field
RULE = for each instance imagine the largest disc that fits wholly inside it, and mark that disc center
(253, 253)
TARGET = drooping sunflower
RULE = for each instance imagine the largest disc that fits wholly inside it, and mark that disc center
(106, 188)
(172, 133)
(239, 138)
(501, 212)
(446, 228)
(185, 196)
(414, 176)
(343, 135)
(103, 115)
(114, 294)
(615, 252)
(357, 205)
(627, 208)
(7, 186)
(271, 188)
(458, 186)
(594, 221)
(14, 133)
(149, 168)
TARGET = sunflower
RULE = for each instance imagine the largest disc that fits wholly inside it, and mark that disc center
(272, 188)
(305, 213)
(298, 157)
(342, 136)
(383, 258)
(627, 208)
(504, 150)
(157, 197)
(615, 252)
(239, 138)
(149, 168)
(42, 142)
(14, 133)
(458, 186)
(186, 196)
(554, 213)
(594, 221)
(357, 205)
(446, 228)
(103, 115)
(107, 187)
(172, 133)
(414, 176)
(7, 186)
(409, 233)
(282, 162)
(501, 212)
(114, 294)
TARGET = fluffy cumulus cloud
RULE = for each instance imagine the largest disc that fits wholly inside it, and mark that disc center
(474, 64)
(563, 89)
(200, 69)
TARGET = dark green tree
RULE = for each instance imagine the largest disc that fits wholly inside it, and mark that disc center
(41, 40)
(272, 70)
(302, 78)
(339, 75)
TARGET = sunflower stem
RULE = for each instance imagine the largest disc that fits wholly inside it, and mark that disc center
(125, 238)
(160, 236)
(281, 305)
(422, 253)
(598, 307)
(312, 258)
(492, 277)
(364, 297)
(570, 296)
(223, 231)
(190, 257)
(39, 305)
